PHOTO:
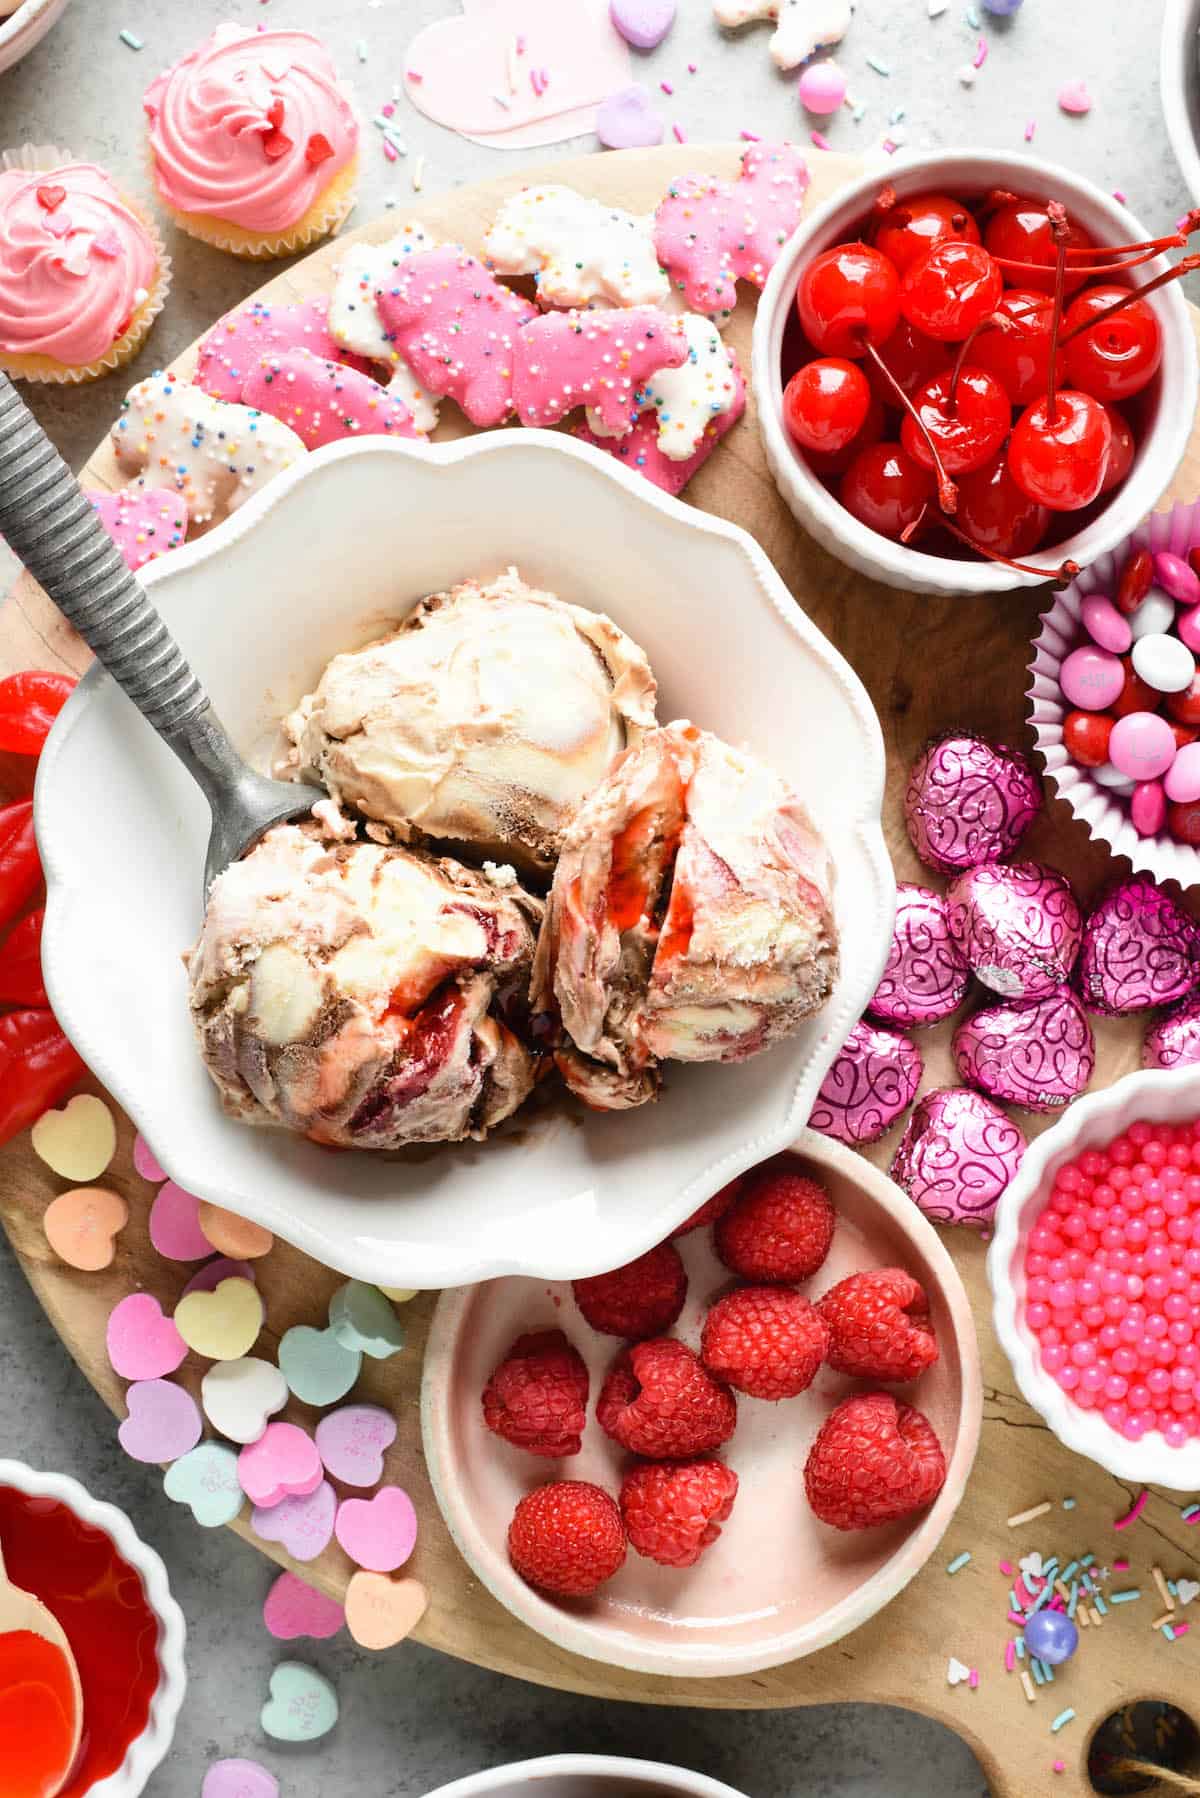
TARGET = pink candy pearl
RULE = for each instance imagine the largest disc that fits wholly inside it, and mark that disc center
(1148, 806)
(822, 88)
(1092, 679)
(1142, 745)
(1175, 577)
(1105, 625)
(1182, 780)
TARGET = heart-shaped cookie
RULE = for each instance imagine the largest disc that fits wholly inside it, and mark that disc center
(224, 1324)
(79, 1141)
(206, 1479)
(240, 1396)
(303, 1524)
(82, 1226)
(317, 1367)
(352, 1442)
(378, 1533)
(303, 1705)
(362, 1318)
(283, 1463)
(142, 1344)
(294, 1608)
(163, 1422)
(380, 1611)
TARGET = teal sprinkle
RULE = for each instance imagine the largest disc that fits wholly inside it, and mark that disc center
(1048, 1670)
(1035, 1667)
(1020, 1648)
(1069, 1571)
(1013, 1602)
(880, 68)
(971, 18)
(1074, 1598)
(1168, 1632)
(131, 40)
(858, 114)
(1043, 1597)
(958, 1562)
(1100, 1604)
(360, 49)
(1172, 1588)
(1068, 1504)
(1189, 1512)
(1125, 1597)
(897, 115)
(1061, 1721)
(1087, 1560)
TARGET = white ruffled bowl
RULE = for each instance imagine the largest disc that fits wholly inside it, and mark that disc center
(586, 1776)
(1158, 1097)
(1105, 814)
(150, 1747)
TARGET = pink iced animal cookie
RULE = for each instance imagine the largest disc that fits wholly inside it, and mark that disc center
(237, 341)
(596, 359)
(143, 522)
(710, 233)
(641, 448)
(456, 327)
(323, 401)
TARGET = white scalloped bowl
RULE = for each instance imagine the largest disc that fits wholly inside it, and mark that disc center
(1160, 1096)
(585, 1776)
(340, 544)
(150, 1748)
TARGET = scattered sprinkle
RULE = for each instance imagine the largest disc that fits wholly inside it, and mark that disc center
(819, 139)
(858, 114)
(1027, 1686)
(1132, 1515)
(1157, 1622)
(958, 1562)
(131, 40)
(1125, 1597)
(981, 53)
(1180, 1629)
(1190, 1513)
(1164, 1591)
(501, 101)
(692, 68)
(388, 109)
(1020, 1648)
(360, 49)
(896, 116)
(1060, 1766)
(971, 19)
(1068, 1504)
(413, 75)
(1168, 1632)
(1120, 196)
(1006, 1569)
(1035, 1667)
(390, 150)
(1015, 1616)
(973, 1678)
(1098, 1604)
(1061, 1721)
(1120, 1565)
(755, 137)
(1010, 1655)
(418, 174)
(880, 68)
(680, 134)
(666, 87)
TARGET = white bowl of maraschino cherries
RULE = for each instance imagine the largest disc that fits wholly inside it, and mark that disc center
(902, 365)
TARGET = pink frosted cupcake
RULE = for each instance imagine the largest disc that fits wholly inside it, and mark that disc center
(83, 274)
(254, 142)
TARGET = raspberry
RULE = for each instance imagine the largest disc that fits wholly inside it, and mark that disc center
(660, 1402)
(673, 1510)
(779, 1227)
(641, 1299)
(566, 1538)
(765, 1341)
(537, 1397)
(879, 1326)
(874, 1460)
(711, 1209)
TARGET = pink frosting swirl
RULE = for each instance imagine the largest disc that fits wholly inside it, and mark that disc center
(75, 263)
(250, 128)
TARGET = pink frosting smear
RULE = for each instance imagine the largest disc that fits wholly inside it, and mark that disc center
(250, 128)
(75, 263)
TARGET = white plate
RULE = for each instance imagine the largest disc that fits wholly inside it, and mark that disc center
(342, 543)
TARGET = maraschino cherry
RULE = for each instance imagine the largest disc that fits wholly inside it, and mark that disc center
(1019, 355)
(885, 489)
(906, 231)
(910, 358)
(996, 514)
(967, 417)
(848, 297)
(1117, 355)
(825, 404)
(950, 290)
(1019, 235)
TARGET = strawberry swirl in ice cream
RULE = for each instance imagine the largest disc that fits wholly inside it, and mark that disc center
(250, 128)
(76, 263)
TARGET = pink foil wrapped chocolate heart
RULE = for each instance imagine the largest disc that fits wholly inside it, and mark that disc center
(1174, 1040)
(873, 1080)
(1018, 925)
(969, 801)
(1140, 948)
(926, 976)
(1036, 1053)
(957, 1155)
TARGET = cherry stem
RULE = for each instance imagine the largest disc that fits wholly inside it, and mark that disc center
(1101, 268)
(1056, 212)
(1186, 266)
(1062, 576)
(997, 322)
(947, 491)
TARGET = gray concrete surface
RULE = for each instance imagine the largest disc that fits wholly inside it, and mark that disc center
(412, 1720)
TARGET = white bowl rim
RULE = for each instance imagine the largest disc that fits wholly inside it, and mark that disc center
(711, 1659)
(1180, 37)
(910, 568)
(1150, 1461)
(148, 1750)
(459, 1264)
(588, 1766)
(28, 13)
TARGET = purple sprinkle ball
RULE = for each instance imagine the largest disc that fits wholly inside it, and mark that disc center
(873, 1081)
(969, 801)
(957, 1155)
(1018, 926)
(1140, 949)
(1035, 1053)
(926, 976)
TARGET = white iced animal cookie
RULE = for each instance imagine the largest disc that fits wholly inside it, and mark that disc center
(801, 26)
(579, 249)
(354, 319)
(687, 399)
(214, 453)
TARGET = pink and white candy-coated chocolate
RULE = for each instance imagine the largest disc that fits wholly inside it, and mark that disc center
(639, 448)
(710, 234)
(1018, 926)
(143, 523)
(969, 801)
(324, 401)
(457, 328)
(1140, 948)
(873, 1081)
(235, 343)
(1177, 578)
(1036, 1053)
(599, 359)
(926, 975)
(958, 1153)
(1173, 1041)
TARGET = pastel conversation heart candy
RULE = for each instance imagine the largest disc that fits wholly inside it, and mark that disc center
(710, 233)
(233, 1235)
(352, 1442)
(379, 1533)
(293, 1608)
(317, 1367)
(303, 1705)
(283, 1463)
(236, 342)
(206, 1479)
(143, 1344)
(175, 1226)
(303, 1524)
(639, 449)
(362, 1318)
(146, 1161)
(212, 1273)
(457, 327)
(598, 359)
(325, 401)
(143, 523)
(82, 1226)
(163, 1421)
(79, 1141)
(240, 1396)
(642, 23)
(239, 1779)
(627, 120)
(577, 249)
(223, 1324)
(380, 1611)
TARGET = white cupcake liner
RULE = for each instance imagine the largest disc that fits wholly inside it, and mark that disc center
(268, 247)
(1106, 817)
(34, 159)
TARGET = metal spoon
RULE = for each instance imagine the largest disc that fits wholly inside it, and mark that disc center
(53, 528)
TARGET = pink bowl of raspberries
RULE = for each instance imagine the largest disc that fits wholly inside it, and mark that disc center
(727, 1453)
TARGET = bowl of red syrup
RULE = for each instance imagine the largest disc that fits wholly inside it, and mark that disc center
(1095, 1275)
(110, 1594)
(833, 496)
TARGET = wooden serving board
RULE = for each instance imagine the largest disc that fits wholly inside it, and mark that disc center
(929, 663)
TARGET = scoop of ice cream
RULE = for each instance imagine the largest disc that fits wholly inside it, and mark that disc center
(690, 917)
(481, 722)
(358, 993)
